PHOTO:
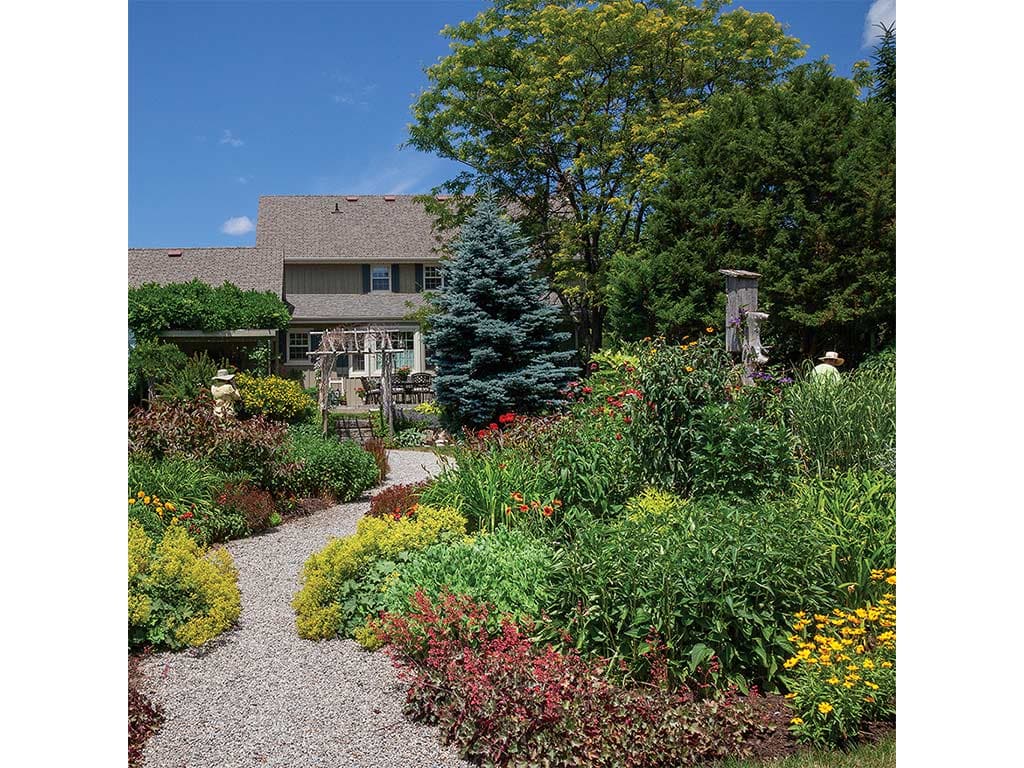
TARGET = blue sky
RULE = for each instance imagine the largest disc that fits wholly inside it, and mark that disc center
(232, 100)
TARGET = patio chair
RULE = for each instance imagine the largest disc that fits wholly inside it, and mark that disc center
(371, 390)
(422, 385)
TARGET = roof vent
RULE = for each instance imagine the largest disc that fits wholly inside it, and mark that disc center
(336, 210)
(174, 253)
(352, 198)
(389, 198)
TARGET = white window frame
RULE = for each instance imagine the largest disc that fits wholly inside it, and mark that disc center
(438, 276)
(387, 269)
(303, 357)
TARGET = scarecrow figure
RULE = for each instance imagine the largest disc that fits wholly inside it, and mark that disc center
(225, 394)
(828, 368)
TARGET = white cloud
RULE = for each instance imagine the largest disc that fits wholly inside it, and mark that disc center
(239, 225)
(229, 138)
(243, 179)
(880, 12)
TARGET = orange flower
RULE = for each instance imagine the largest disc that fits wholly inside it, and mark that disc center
(709, 329)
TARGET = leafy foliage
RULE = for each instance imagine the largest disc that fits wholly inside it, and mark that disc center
(494, 338)
(178, 595)
(796, 182)
(153, 308)
(583, 102)
(275, 398)
(400, 500)
(192, 430)
(190, 379)
(254, 505)
(144, 715)
(319, 464)
(331, 574)
(504, 700)
(846, 425)
(151, 362)
(711, 578)
(376, 447)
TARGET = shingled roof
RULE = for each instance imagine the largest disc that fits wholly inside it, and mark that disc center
(352, 306)
(251, 269)
(391, 228)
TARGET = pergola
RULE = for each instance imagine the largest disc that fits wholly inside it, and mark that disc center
(345, 340)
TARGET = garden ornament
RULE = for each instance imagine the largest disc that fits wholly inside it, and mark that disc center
(827, 369)
(225, 394)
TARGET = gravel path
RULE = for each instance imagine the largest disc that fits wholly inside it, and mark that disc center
(260, 695)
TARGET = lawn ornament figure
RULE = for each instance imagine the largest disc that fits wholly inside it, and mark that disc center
(225, 394)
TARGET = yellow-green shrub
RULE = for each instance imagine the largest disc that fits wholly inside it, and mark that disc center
(274, 397)
(178, 594)
(652, 503)
(318, 613)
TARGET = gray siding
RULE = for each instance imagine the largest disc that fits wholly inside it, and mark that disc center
(322, 278)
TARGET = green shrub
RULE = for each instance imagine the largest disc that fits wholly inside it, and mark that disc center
(188, 381)
(508, 570)
(177, 594)
(330, 576)
(275, 398)
(709, 577)
(327, 465)
(191, 485)
(854, 518)
(735, 455)
(150, 363)
(195, 305)
(846, 425)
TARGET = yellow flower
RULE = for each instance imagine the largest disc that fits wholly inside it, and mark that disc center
(146, 500)
(790, 695)
(891, 580)
(790, 663)
(887, 664)
(689, 369)
(131, 501)
(824, 707)
(797, 721)
(140, 494)
(170, 506)
(869, 664)
(833, 681)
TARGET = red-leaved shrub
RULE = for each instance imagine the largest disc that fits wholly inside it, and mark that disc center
(254, 504)
(397, 501)
(192, 429)
(505, 701)
(144, 716)
(375, 446)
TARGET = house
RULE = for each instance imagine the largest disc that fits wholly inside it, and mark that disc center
(335, 260)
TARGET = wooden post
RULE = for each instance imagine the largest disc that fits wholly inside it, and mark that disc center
(753, 353)
(740, 297)
(387, 364)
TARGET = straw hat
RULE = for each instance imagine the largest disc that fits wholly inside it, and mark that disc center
(223, 375)
(832, 357)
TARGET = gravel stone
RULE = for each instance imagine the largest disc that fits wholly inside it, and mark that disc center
(259, 695)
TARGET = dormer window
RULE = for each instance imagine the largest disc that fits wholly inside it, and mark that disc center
(380, 278)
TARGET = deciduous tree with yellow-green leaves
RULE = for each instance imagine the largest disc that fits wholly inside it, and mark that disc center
(569, 110)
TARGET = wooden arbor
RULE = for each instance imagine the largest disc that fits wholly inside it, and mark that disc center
(344, 340)
(743, 320)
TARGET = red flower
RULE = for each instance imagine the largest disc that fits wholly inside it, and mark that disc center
(481, 433)
(618, 436)
(587, 390)
(627, 419)
(493, 427)
(507, 418)
(524, 508)
(548, 511)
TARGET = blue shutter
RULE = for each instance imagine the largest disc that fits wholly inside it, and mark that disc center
(395, 269)
(419, 278)
(366, 278)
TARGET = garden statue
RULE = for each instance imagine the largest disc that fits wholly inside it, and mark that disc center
(225, 394)
(828, 368)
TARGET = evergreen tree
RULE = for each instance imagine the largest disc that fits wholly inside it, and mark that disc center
(797, 182)
(496, 347)
(884, 87)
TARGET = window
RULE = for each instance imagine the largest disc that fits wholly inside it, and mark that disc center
(380, 278)
(403, 340)
(432, 280)
(301, 342)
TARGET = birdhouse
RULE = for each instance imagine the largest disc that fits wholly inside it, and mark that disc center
(740, 297)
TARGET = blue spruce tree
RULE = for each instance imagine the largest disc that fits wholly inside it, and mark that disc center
(494, 338)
